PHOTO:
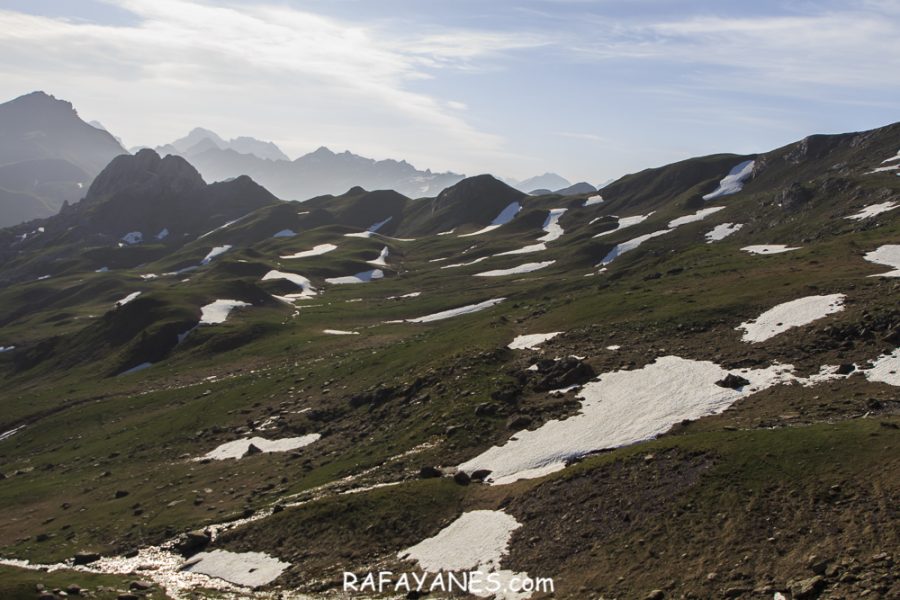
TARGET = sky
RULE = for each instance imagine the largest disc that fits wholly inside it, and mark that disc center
(589, 89)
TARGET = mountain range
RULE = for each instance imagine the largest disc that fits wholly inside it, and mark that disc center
(48, 156)
(682, 386)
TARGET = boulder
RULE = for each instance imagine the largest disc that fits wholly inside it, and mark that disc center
(732, 381)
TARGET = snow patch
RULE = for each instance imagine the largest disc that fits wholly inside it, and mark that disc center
(409, 295)
(455, 312)
(519, 270)
(238, 448)
(381, 261)
(285, 233)
(476, 541)
(697, 216)
(873, 210)
(626, 222)
(720, 232)
(768, 249)
(630, 245)
(339, 332)
(551, 225)
(531, 341)
(299, 280)
(593, 200)
(8, 434)
(216, 251)
(316, 251)
(374, 227)
(364, 277)
(7, 348)
(886, 369)
(140, 367)
(886, 255)
(795, 313)
(248, 569)
(505, 216)
(127, 299)
(733, 182)
(134, 237)
(163, 234)
(218, 311)
(525, 250)
(465, 264)
(622, 408)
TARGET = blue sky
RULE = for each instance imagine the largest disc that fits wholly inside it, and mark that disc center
(590, 89)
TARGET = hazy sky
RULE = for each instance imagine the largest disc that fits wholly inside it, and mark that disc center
(591, 89)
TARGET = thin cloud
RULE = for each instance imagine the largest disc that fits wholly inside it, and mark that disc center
(184, 45)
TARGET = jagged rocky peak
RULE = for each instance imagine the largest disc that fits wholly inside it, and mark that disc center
(145, 169)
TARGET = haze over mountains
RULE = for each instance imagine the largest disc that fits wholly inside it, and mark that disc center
(50, 156)
(47, 156)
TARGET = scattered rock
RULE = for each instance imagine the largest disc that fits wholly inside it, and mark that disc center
(655, 595)
(462, 478)
(85, 558)
(252, 449)
(732, 381)
(845, 368)
(192, 542)
(480, 474)
(429, 472)
(817, 564)
(141, 585)
(121, 493)
(807, 588)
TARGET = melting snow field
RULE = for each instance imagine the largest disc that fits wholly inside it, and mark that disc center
(316, 251)
(249, 569)
(532, 340)
(238, 448)
(697, 216)
(519, 270)
(886, 255)
(381, 260)
(8, 434)
(873, 210)
(886, 369)
(622, 408)
(631, 244)
(733, 182)
(626, 222)
(465, 264)
(455, 312)
(299, 280)
(720, 232)
(768, 249)
(791, 314)
(551, 225)
(218, 311)
(127, 299)
(137, 369)
(477, 541)
(364, 277)
(505, 216)
(214, 253)
(371, 230)
(525, 250)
